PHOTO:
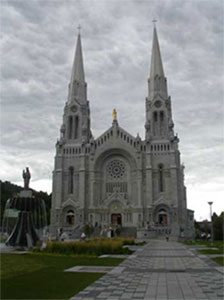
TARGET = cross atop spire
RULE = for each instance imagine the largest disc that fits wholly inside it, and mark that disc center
(154, 22)
(79, 29)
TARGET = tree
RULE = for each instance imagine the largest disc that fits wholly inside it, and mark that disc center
(218, 224)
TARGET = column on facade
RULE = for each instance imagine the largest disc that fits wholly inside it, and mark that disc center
(148, 187)
(91, 186)
(82, 184)
(57, 188)
(174, 185)
(139, 182)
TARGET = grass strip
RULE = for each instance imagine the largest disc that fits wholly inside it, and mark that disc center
(217, 244)
(219, 260)
(211, 251)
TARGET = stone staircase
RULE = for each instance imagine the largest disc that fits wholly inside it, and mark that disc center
(128, 232)
(73, 232)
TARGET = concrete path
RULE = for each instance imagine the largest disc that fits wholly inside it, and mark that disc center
(159, 270)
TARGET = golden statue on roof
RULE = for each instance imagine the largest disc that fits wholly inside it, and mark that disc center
(114, 114)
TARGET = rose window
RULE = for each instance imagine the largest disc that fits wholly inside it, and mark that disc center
(116, 169)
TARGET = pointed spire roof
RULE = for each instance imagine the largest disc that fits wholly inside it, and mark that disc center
(156, 61)
(78, 68)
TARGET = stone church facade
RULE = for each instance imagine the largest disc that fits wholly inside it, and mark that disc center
(118, 180)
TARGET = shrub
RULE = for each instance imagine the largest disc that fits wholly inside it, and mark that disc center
(88, 230)
(93, 247)
(118, 231)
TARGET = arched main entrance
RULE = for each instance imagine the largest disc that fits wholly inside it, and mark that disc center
(70, 217)
(116, 219)
(162, 217)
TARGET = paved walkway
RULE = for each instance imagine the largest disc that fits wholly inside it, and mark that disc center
(159, 270)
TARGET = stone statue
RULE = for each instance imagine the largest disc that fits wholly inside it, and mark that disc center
(26, 178)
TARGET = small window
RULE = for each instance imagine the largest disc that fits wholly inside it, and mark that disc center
(161, 116)
(76, 127)
(161, 171)
(70, 180)
(70, 125)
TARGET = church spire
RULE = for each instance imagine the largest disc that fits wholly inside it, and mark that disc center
(157, 80)
(156, 61)
(77, 86)
(78, 68)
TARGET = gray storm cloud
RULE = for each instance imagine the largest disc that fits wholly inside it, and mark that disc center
(38, 43)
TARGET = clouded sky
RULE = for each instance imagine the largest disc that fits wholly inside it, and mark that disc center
(38, 43)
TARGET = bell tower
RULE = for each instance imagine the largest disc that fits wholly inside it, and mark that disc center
(159, 124)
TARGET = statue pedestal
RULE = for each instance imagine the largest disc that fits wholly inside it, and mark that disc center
(25, 194)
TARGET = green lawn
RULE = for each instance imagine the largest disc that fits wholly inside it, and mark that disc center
(217, 244)
(37, 276)
(219, 260)
(211, 251)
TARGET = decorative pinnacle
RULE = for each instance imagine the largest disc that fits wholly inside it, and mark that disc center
(154, 22)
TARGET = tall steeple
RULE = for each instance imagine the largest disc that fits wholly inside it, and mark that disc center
(156, 61)
(76, 119)
(157, 80)
(78, 68)
(77, 86)
(159, 124)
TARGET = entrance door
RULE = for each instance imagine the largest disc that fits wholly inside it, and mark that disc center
(163, 219)
(70, 217)
(116, 219)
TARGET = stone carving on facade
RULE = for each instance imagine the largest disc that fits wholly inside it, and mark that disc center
(116, 206)
(160, 200)
(71, 202)
(148, 130)
(63, 131)
(148, 104)
(116, 196)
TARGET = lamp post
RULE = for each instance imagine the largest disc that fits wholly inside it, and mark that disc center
(212, 236)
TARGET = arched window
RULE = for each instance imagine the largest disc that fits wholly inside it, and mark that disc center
(70, 125)
(155, 123)
(76, 127)
(161, 117)
(70, 180)
(155, 116)
(161, 175)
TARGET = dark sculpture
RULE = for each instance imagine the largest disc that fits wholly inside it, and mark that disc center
(25, 229)
(26, 178)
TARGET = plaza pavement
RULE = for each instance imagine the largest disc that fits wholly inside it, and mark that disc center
(159, 270)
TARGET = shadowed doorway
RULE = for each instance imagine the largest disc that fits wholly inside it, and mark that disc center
(116, 219)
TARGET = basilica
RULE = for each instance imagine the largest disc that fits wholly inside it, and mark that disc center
(118, 180)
